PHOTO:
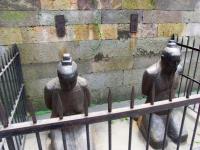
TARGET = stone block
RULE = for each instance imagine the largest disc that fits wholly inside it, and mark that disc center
(39, 71)
(104, 80)
(175, 5)
(143, 62)
(35, 88)
(159, 16)
(72, 17)
(87, 4)
(10, 36)
(147, 30)
(119, 16)
(138, 4)
(108, 4)
(110, 48)
(58, 4)
(47, 52)
(108, 31)
(18, 18)
(166, 30)
(81, 32)
(150, 46)
(112, 64)
(40, 34)
(20, 5)
(191, 17)
(192, 29)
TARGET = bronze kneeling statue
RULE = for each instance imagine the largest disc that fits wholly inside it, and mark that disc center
(164, 75)
(71, 90)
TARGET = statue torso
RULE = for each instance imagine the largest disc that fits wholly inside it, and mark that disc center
(72, 101)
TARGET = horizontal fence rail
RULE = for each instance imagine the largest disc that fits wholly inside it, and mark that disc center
(54, 123)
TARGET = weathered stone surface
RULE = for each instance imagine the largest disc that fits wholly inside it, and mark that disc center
(175, 4)
(138, 4)
(147, 30)
(72, 17)
(87, 4)
(39, 71)
(103, 80)
(18, 18)
(157, 16)
(150, 46)
(110, 48)
(112, 64)
(108, 4)
(35, 88)
(58, 4)
(119, 16)
(192, 29)
(142, 62)
(81, 32)
(108, 31)
(40, 34)
(47, 52)
(10, 36)
(19, 5)
(166, 30)
(191, 17)
(134, 78)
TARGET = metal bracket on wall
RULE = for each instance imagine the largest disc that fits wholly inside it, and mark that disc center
(133, 23)
(60, 25)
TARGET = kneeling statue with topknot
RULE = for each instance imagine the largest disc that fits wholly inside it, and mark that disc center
(163, 77)
(68, 90)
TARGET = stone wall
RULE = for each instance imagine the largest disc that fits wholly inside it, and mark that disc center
(97, 36)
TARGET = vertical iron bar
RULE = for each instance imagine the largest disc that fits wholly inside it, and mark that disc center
(188, 40)
(195, 69)
(195, 128)
(150, 116)
(181, 129)
(64, 139)
(7, 81)
(38, 140)
(131, 119)
(189, 67)
(10, 143)
(86, 100)
(3, 115)
(10, 83)
(7, 96)
(110, 121)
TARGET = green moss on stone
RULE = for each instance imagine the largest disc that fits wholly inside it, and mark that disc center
(13, 16)
(138, 4)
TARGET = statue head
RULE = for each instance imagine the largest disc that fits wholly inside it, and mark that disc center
(170, 58)
(67, 72)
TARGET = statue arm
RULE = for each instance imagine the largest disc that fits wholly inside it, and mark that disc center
(146, 84)
(48, 97)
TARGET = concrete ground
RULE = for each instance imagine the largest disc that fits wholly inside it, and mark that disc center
(120, 130)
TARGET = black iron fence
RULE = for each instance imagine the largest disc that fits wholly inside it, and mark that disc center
(12, 94)
(188, 95)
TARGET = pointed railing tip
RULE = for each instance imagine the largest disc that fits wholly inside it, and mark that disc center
(132, 97)
(153, 93)
(31, 111)
(109, 100)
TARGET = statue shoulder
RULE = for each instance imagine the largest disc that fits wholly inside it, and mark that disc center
(82, 82)
(53, 84)
(153, 70)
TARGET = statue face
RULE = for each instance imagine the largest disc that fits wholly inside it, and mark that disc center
(170, 63)
(67, 83)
